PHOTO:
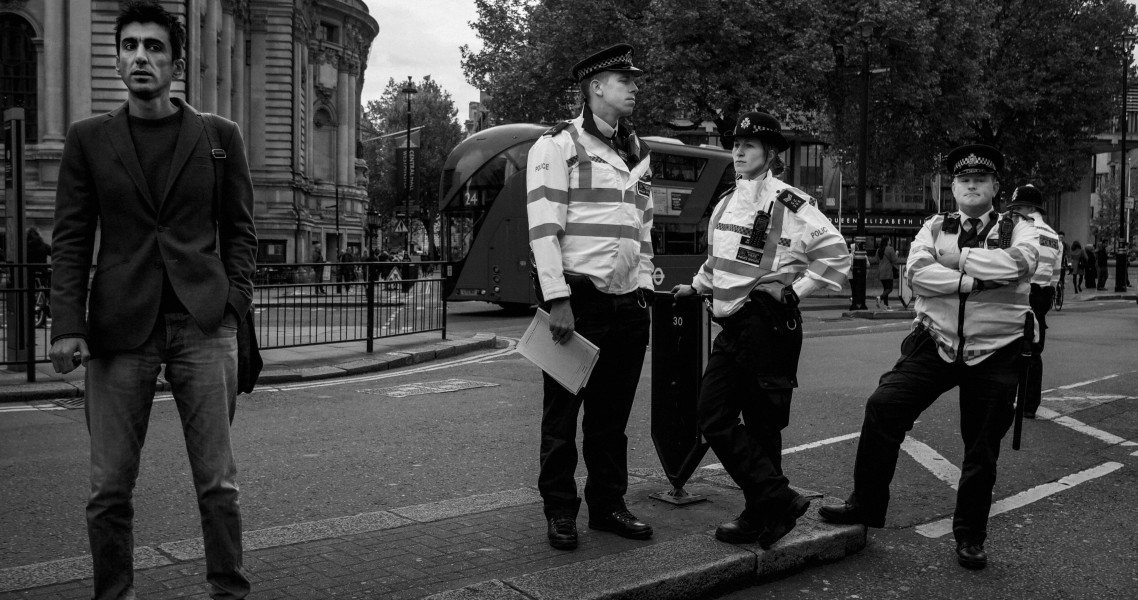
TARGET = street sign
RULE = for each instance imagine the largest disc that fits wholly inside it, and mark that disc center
(1130, 203)
(401, 226)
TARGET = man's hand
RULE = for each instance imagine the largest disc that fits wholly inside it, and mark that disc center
(561, 320)
(949, 259)
(68, 353)
(682, 291)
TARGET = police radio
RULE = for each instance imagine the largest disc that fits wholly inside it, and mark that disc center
(1006, 227)
(759, 230)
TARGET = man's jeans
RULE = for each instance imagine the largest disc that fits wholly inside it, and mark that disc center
(202, 371)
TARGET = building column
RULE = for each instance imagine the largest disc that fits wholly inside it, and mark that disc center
(344, 137)
(194, 53)
(352, 118)
(55, 65)
(225, 67)
(257, 95)
(238, 69)
(78, 60)
(211, 24)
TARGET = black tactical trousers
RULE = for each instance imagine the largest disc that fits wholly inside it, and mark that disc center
(987, 396)
(618, 325)
(1040, 299)
(752, 371)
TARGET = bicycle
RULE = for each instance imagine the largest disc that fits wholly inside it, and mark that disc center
(1057, 299)
(42, 298)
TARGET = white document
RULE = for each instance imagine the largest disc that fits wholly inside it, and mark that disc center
(570, 364)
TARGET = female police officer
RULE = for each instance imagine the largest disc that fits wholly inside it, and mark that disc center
(768, 247)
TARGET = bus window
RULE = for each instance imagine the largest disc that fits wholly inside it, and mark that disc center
(477, 195)
(672, 167)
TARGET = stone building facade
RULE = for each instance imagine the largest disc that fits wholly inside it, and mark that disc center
(289, 72)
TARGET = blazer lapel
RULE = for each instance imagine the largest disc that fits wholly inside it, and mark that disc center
(118, 131)
(187, 141)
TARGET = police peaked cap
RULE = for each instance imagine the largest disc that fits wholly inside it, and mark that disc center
(975, 158)
(613, 58)
(760, 126)
(1029, 196)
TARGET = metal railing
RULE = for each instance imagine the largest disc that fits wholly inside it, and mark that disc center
(295, 305)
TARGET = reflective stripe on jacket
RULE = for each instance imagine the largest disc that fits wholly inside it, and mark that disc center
(801, 246)
(992, 317)
(589, 213)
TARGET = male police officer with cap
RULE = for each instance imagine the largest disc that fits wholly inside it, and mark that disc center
(970, 271)
(1028, 201)
(590, 222)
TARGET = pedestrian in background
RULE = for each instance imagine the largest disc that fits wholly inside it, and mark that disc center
(886, 271)
(1078, 261)
(1101, 257)
(318, 258)
(769, 246)
(970, 272)
(39, 255)
(590, 223)
(1090, 268)
(345, 272)
(1028, 201)
(174, 281)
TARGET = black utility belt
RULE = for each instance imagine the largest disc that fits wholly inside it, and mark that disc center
(763, 306)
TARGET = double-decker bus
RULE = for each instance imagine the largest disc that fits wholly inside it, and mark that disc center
(485, 230)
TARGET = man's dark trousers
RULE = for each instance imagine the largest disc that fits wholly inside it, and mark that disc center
(1040, 299)
(618, 325)
(987, 396)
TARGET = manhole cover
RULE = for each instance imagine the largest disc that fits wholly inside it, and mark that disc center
(428, 387)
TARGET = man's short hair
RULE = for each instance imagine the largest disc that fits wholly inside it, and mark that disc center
(1061, 232)
(148, 11)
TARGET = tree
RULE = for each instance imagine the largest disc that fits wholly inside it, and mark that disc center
(432, 108)
(1105, 222)
(1035, 78)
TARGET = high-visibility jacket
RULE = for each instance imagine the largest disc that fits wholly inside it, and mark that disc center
(978, 304)
(589, 213)
(1048, 270)
(799, 247)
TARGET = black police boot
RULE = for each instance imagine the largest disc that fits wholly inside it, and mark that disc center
(741, 530)
(781, 525)
(971, 555)
(622, 523)
(848, 514)
(563, 532)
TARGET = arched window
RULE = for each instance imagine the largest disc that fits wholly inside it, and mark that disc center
(18, 70)
(323, 145)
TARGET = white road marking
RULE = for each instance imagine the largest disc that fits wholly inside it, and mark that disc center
(933, 461)
(827, 441)
(942, 527)
(1081, 427)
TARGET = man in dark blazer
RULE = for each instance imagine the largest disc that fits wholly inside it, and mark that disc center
(174, 278)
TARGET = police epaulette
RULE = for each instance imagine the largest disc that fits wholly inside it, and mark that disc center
(794, 199)
(556, 129)
(944, 215)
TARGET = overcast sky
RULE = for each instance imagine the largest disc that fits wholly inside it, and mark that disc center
(417, 38)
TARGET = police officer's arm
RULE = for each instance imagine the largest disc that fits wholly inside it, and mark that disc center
(822, 249)
(702, 281)
(1004, 265)
(547, 206)
(644, 277)
(927, 276)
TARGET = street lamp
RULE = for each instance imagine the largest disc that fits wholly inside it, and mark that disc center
(373, 227)
(408, 90)
(857, 301)
(1120, 249)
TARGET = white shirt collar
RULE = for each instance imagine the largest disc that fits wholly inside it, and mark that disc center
(605, 129)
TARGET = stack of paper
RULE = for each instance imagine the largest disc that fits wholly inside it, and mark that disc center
(570, 364)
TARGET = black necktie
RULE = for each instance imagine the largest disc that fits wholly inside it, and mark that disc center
(614, 142)
(970, 238)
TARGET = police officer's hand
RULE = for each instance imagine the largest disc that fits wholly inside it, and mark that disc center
(950, 259)
(68, 353)
(682, 290)
(561, 320)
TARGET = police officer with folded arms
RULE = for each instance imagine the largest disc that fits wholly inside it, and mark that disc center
(768, 248)
(1027, 200)
(970, 271)
(590, 223)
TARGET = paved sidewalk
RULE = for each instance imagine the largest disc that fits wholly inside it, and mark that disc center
(490, 546)
(282, 365)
